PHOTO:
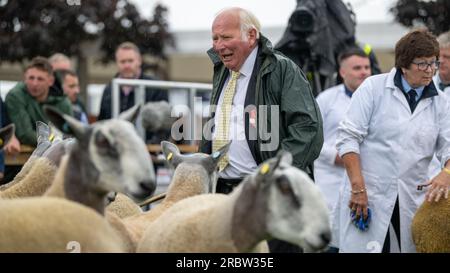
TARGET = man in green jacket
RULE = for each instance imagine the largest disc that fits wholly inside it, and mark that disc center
(25, 101)
(280, 109)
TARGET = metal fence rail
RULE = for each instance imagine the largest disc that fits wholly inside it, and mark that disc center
(139, 96)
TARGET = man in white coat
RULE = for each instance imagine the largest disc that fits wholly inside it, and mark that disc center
(442, 81)
(354, 68)
(395, 123)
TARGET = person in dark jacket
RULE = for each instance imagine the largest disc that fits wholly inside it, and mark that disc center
(280, 109)
(12, 147)
(129, 61)
(71, 87)
(25, 102)
(59, 62)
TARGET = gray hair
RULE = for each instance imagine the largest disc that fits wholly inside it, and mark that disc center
(58, 57)
(444, 40)
(248, 22)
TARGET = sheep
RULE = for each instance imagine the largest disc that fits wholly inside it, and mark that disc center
(123, 206)
(156, 116)
(276, 201)
(431, 226)
(45, 137)
(107, 156)
(194, 174)
(41, 173)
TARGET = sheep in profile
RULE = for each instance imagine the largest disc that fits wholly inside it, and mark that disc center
(194, 174)
(107, 156)
(277, 201)
(431, 227)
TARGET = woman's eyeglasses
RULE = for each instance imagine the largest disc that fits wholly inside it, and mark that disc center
(424, 65)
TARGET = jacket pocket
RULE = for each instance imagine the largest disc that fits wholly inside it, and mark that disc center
(424, 140)
(376, 185)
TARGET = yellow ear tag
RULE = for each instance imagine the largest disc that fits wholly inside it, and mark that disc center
(51, 137)
(169, 156)
(1, 141)
(265, 168)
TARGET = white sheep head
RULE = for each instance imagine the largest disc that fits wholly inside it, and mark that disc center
(295, 211)
(110, 153)
(208, 162)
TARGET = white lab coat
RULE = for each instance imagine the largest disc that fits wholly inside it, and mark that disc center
(333, 104)
(435, 166)
(395, 149)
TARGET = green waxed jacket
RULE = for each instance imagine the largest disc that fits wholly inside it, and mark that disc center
(23, 110)
(279, 81)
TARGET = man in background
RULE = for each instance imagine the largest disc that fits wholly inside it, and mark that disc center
(25, 101)
(354, 68)
(71, 88)
(129, 62)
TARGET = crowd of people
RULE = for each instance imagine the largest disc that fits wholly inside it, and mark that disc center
(367, 142)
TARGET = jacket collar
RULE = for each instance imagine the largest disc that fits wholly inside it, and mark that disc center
(428, 92)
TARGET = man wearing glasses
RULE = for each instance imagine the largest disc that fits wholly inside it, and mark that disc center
(396, 122)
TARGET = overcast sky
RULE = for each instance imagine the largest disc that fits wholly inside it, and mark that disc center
(199, 14)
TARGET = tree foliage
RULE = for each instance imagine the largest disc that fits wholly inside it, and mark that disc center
(435, 15)
(31, 28)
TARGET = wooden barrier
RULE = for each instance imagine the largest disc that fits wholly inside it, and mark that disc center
(26, 151)
(20, 158)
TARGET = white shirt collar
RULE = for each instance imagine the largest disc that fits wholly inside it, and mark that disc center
(247, 68)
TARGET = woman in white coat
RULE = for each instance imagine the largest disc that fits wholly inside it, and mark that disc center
(387, 140)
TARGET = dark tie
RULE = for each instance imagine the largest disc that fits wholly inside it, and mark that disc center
(412, 99)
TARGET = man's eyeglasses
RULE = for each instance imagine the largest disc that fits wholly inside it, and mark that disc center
(424, 65)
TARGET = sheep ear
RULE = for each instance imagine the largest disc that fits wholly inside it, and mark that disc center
(216, 156)
(42, 132)
(6, 134)
(171, 153)
(269, 166)
(65, 123)
(284, 157)
(131, 114)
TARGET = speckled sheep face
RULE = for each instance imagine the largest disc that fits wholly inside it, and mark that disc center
(115, 158)
(296, 210)
(121, 158)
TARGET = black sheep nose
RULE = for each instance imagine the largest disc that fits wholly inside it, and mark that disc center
(326, 237)
(148, 186)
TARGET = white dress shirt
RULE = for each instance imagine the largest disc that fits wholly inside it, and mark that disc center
(241, 162)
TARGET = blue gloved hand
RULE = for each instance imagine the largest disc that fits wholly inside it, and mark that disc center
(361, 223)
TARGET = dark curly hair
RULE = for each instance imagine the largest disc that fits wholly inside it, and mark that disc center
(417, 43)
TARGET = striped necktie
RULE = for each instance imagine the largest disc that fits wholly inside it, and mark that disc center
(221, 137)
